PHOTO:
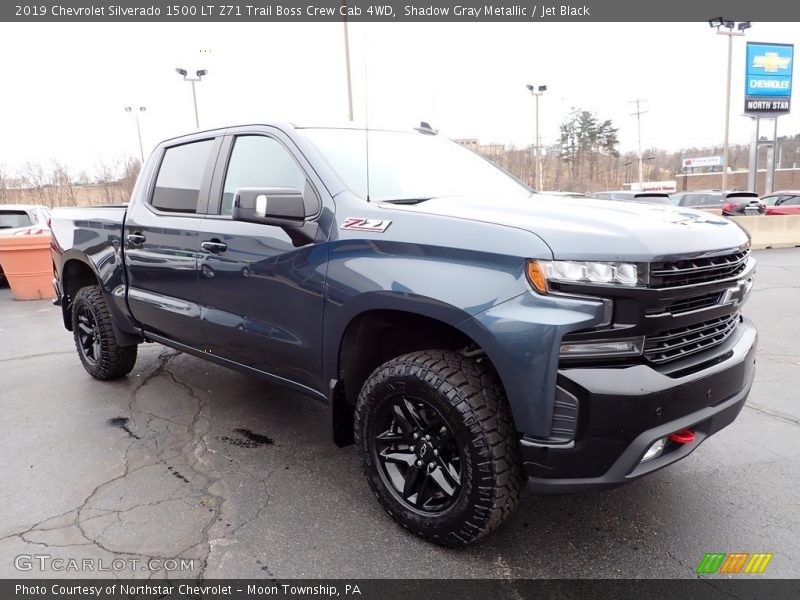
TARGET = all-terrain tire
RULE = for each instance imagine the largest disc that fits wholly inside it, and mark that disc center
(101, 355)
(467, 399)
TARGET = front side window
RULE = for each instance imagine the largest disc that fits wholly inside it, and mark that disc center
(180, 177)
(259, 162)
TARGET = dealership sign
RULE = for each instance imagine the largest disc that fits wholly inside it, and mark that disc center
(768, 78)
(702, 161)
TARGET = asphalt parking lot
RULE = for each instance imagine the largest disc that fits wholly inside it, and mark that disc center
(184, 459)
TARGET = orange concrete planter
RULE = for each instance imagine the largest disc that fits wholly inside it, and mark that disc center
(27, 265)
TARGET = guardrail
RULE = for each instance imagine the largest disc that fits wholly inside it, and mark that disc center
(774, 231)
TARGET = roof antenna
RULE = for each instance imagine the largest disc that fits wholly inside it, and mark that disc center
(425, 127)
(366, 108)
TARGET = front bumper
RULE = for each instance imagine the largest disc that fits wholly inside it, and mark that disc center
(622, 411)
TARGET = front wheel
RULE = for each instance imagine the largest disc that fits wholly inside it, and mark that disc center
(438, 445)
(101, 355)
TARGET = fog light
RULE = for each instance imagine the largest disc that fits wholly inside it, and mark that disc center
(627, 347)
(655, 450)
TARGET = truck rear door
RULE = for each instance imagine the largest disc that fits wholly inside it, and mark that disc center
(161, 242)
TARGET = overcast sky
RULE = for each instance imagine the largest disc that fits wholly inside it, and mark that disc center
(65, 86)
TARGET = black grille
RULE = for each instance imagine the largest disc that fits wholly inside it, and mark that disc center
(683, 341)
(698, 270)
(685, 305)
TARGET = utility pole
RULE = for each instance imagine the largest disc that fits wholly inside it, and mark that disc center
(638, 114)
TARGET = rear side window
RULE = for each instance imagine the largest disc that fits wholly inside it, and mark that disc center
(10, 219)
(259, 162)
(791, 201)
(691, 200)
(180, 177)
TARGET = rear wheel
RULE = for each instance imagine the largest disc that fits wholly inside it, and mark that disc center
(438, 445)
(97, 347)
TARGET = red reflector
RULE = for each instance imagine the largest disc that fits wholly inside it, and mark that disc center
(684, 436)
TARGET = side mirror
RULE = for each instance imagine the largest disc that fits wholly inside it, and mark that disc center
(270, 206)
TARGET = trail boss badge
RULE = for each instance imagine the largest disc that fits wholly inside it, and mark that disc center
(359, 224)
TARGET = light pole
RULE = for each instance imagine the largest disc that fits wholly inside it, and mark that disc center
(717, 24)
(136, 112)
(193, 80)
(347, 63)
(536, 92)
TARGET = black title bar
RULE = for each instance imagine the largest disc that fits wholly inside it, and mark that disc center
(392, 11)
(706, 588)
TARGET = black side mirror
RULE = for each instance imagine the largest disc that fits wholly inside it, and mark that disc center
(271, 206)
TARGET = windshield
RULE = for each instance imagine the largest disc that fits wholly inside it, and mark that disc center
(14, 218)
(409, 166)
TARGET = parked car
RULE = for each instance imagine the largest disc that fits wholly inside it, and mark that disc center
(786, 202)
(23, 219)
(728, 204)
(462, 335)
(565, 194)
(627, 195)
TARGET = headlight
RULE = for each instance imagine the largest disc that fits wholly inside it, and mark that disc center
(571, 271)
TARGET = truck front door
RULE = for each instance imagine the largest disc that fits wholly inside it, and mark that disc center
(261, 292)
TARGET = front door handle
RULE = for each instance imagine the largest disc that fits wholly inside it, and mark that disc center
(214, 246)
(136, 238)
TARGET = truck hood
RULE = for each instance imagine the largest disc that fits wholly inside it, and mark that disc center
(581, 229)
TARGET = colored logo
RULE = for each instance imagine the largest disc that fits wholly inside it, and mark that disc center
(737, 562)
(771, 62)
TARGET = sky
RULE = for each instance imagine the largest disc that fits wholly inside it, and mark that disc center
(64, 86)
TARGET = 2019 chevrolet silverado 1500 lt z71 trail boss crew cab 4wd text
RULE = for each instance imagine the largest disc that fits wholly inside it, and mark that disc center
(465, 331)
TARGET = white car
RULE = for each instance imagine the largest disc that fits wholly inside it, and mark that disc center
(24, 219)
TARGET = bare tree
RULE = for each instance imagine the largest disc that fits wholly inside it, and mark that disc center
(35, 180)
(61, 180)
(5, 184)
(129, 172)
(105, 177)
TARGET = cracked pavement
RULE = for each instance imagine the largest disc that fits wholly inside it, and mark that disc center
(186, 460)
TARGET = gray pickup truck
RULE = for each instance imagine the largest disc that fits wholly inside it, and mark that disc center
(465, 331)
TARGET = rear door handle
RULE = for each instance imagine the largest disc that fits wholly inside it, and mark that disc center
(136, 238)
(214, 246)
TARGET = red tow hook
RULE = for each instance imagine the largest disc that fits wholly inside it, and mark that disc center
(684, 436)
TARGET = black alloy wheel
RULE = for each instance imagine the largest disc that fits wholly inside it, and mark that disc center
(92, 327)
(88, 334)
(418, 455)
(438, 445)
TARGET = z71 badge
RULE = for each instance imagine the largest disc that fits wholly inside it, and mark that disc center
(359, 224)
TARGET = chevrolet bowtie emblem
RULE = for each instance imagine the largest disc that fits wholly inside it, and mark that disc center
(771, 62)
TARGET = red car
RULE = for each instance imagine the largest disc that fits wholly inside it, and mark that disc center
(785, 202)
